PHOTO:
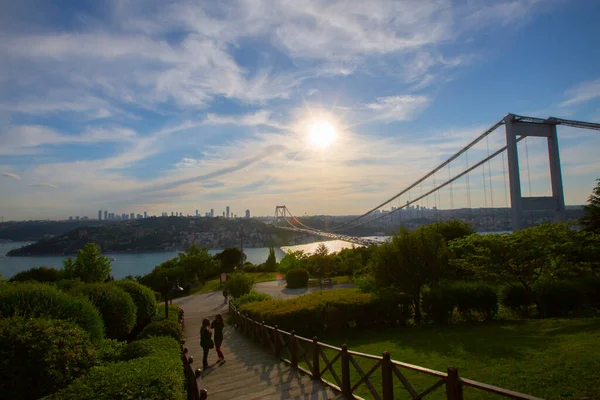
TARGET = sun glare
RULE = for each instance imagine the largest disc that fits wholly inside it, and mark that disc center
(322, 133)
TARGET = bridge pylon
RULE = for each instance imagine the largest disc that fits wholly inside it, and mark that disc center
(546, 129)
(280, 212)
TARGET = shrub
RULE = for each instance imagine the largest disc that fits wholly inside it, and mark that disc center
(67, 285)
(40, 356)
(162, 328)
(39, 274)
(517, 298)
(365, 283)
(239, 284)
(156, 374)
(331, 310)
(475, 298)
(438, 304)
(143, 298)
(37, 300)
(558, 299)
(175, 313)
(115, 305)
(297, 278)
(109, 351)
(590, 287)
(251, 297)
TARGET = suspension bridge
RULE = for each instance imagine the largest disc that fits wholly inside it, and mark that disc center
(461, 181)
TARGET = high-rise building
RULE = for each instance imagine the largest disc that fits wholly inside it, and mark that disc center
(227, 212)
(99, 215)
(145, 214)
(196, 212)
(70, 218)
(123, 216)
(247, 213)
(131, 215)
(212, 213)
(172, 214)
(77, 218)
(223, 214)
(105, 214)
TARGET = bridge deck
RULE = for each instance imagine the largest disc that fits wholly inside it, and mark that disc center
(248, 372)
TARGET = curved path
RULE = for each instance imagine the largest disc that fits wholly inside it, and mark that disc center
(248, 372)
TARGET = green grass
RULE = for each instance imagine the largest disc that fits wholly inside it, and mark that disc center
(337, 280)
(214, 284)
(551, 358)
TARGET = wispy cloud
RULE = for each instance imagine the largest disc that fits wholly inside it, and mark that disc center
(44, 185)
(398, 108)
(582, 93)
(10, 175)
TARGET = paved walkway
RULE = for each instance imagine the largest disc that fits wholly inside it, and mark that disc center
(248, 372)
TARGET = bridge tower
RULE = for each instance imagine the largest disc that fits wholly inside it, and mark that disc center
(279, 213)
(556, 202)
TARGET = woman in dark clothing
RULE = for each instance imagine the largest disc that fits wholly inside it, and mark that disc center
(206, 341)
(217, 325)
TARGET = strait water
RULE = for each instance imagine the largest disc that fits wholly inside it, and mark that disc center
(141, 263)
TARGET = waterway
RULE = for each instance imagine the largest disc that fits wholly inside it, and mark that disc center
(142, 263)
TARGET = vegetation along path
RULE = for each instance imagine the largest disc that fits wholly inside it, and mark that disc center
(248, 372)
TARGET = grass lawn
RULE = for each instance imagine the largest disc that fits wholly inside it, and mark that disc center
(551, 358)
(213, 284)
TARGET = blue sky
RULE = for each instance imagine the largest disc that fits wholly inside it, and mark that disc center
(133, 105)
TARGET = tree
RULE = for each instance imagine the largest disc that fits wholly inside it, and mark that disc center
(453, 229)
(591, 217)
(271, 263)
(292, 260)
(320, 262)
(409, 262)
(198, 265)
(230, 258)
(239, 284)
(89, 265)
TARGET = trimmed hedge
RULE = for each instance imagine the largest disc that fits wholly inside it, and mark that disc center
(143, 298)
(331, 310)
(297, 278)
(472, 300)
(162, 328)
(39, 274)
(40, 356)
(38, 300)
(154, 373)
(116, 307)
(175, 313)
(251, 297)
(517, 299)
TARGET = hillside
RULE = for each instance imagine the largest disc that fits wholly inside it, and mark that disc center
(162, 234)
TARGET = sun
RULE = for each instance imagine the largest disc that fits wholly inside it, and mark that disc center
(321, 133)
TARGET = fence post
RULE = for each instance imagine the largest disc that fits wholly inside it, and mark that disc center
(316, 372)
(262, 335)
(293, 352)
(345, 359)
(453, 385)
(277, 343)
(387, 382)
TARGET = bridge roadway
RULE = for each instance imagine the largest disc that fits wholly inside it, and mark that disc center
(336, 236)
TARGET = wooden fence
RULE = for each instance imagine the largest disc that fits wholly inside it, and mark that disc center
(191, 378)
(293, 349)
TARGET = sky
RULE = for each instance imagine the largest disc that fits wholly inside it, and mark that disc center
(328, 107)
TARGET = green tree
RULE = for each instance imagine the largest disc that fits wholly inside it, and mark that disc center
(89, 265)
(320, 262)
(239, 284)
(409, 262)
(452, 229)
(291, 260)
(591, 217)
(197, 264)
(271, 263)
(230, 258)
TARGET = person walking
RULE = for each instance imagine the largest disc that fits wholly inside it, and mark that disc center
(206, 341)
(217, 325)
(225, 294)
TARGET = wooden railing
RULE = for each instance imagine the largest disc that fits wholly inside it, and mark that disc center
(293, 349)
(191, 377)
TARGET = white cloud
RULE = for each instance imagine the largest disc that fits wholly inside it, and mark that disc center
(44, 185)
(582, 93)
(10, 175)
(398, 108)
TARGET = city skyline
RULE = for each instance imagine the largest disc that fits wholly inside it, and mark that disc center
(328, 107)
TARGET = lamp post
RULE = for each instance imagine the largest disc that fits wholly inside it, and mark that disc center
(175, 287)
